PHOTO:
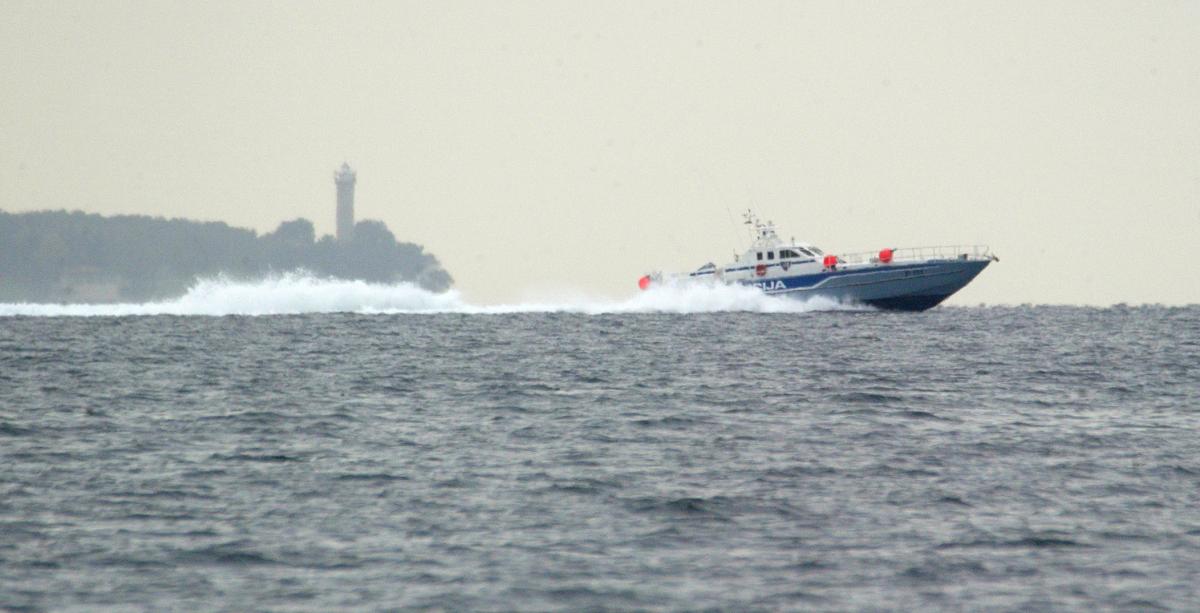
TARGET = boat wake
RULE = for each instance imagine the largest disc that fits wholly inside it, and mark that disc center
(299, 293)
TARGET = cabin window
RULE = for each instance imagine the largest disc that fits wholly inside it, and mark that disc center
(805, 251)
(760, 255)
(787, 253)
(770, 255)
(817, 251)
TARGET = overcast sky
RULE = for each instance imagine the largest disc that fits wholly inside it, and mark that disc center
(537, 146)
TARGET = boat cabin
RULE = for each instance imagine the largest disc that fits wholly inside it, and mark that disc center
(768, 255)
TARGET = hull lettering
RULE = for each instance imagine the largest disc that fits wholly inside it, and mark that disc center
(767, 286)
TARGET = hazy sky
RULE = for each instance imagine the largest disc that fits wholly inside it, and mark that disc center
(536, 146)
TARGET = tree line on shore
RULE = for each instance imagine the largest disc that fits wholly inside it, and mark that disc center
(61, 256)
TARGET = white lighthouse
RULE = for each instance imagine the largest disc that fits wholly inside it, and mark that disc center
(344, 178)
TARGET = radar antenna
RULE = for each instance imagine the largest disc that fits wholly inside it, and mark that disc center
(751, 220)
(760, 230)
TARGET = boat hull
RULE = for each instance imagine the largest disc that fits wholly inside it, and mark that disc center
(903, 287)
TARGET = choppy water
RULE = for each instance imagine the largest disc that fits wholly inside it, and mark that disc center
(618, 455)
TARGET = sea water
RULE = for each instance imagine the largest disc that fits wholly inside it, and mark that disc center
(301, 444)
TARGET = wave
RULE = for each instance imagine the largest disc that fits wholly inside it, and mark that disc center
(298, 293)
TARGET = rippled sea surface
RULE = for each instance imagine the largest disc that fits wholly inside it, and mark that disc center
(1029, 458)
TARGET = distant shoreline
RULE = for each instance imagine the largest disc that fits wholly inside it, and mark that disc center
(73, 256)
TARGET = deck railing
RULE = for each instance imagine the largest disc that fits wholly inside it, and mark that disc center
(904, 254)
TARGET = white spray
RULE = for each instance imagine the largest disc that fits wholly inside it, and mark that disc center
(300, 293)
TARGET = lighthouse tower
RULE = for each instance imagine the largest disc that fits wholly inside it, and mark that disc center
(344, 178)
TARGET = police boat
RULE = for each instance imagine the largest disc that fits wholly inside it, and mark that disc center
(905, 279)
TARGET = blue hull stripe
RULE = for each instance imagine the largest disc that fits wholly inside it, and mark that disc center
(742, 268)
(813, 280)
